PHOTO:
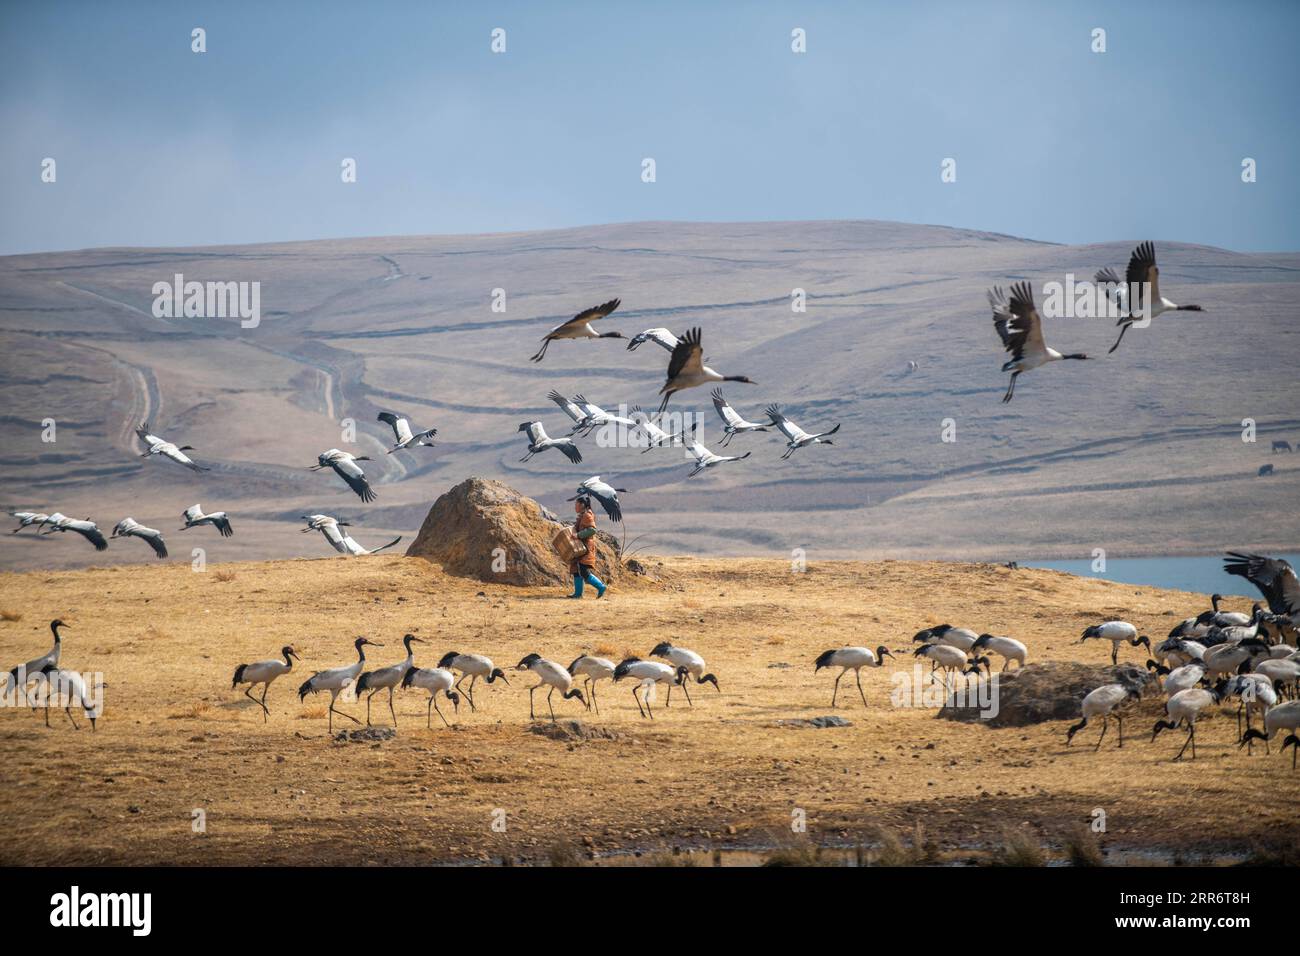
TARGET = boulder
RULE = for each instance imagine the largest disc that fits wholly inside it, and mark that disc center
(1048, 691)
(468, 524)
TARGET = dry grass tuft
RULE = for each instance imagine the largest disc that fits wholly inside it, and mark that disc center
(1019, 848)
(225, 575)
(1082, 847)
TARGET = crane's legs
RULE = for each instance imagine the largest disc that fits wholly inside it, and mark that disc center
(591, 689)
(433, 699)
(259, 703)
(858, 674)
(530, 702)
(390, 707)
(638, 702)
(549, 704)
(1011, 388)
(1105, 722)
(1120, 721)
(837, 686)
(689, 702)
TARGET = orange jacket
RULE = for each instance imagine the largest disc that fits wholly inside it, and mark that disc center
(586, 520)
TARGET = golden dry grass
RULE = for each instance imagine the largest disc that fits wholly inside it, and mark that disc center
(175, 737)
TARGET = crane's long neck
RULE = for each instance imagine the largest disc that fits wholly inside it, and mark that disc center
(54, 627)
(288, 661)
(361, 654)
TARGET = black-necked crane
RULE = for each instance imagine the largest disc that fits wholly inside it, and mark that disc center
(405, 438)
(18, 678)
(539, 441)
(337, 679)
(656, 437)
(1008, 648)
(705, 458)
(1218, 618)
(1281, 717)
(341, 541)
(579, 327)
(1102, 702)
(733, 423)
(1128, 294)
(387, 678)
(686, 369)
(680, 658)
(1236, 633)
(851, 658)
(1117, 632)
(661, 337)
(344, 464)
(436, 680)
(592, 669)
(962, 638)
(1188, 705)
(576, 415)
(472, 666)
(1284, 672)
(67, 688)
(951, 660)
(1178, 651)
(1254, 693)
(1227, 658)
(264, 672)
(594, 416)
(603, 492)
(1274, 577)
(85, 527)
(1021, 330)
(130, 528)
(160, 446)
(648, 674)
(28, 518)
(1183, 677)
(193, 517)
(552, 675)
(796, 437)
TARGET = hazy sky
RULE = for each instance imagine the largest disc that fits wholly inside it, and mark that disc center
(156, 145)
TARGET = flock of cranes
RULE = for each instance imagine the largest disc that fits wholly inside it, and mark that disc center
(1208, 660)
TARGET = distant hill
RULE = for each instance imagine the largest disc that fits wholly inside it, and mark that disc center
(1139, 452)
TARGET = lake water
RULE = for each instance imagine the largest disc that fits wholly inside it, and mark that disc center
(1202, 574)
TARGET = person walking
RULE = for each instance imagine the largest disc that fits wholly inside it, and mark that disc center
(582, 567)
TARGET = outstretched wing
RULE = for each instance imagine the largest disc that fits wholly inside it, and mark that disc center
(787, 428)
(687, 356)
(1274, 577)
(728, 414)
(596, 312)
(570, 450)
(570, 409)
(1142, 268)
(1024, 330)
(351, 472)
(193, 513)
(401, 427)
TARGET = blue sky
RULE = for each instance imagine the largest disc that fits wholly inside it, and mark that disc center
(157, 145)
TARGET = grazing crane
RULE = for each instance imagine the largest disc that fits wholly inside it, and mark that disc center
(1180, 678)
(387, 677)
(341, 541)
(23, 674)
(732, 422)
(552, 675)
(796, 437)
(28, 518)
(1141, 269)
(435, 680)
(680, 658)
(472, 666)
(606, 494)
(962, 638)
(1236, 633)
(579, 327)
(193, 516)
(1188, 705)
(1117, 632)
(647, 674)
(1227, 658)
(1021, 330)
(1282, 717)
(86, 528)
(336, 680)
(945, 657)
(1255, 694)
(660, 337)
(345, 466)
(576, 414)
(129, 527)
(1102, 702)
(538, 440)
(1178, 651)
(1283, 672)
(592, 669)
(264, 672)
(851, 658)
(1009, 649)
(686, 369)
(402, 432)
(68, 688)
(705, 458)
(159, 446)
(656, 437)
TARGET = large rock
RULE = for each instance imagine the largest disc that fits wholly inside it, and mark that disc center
(467, 524)
(1048, 691)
